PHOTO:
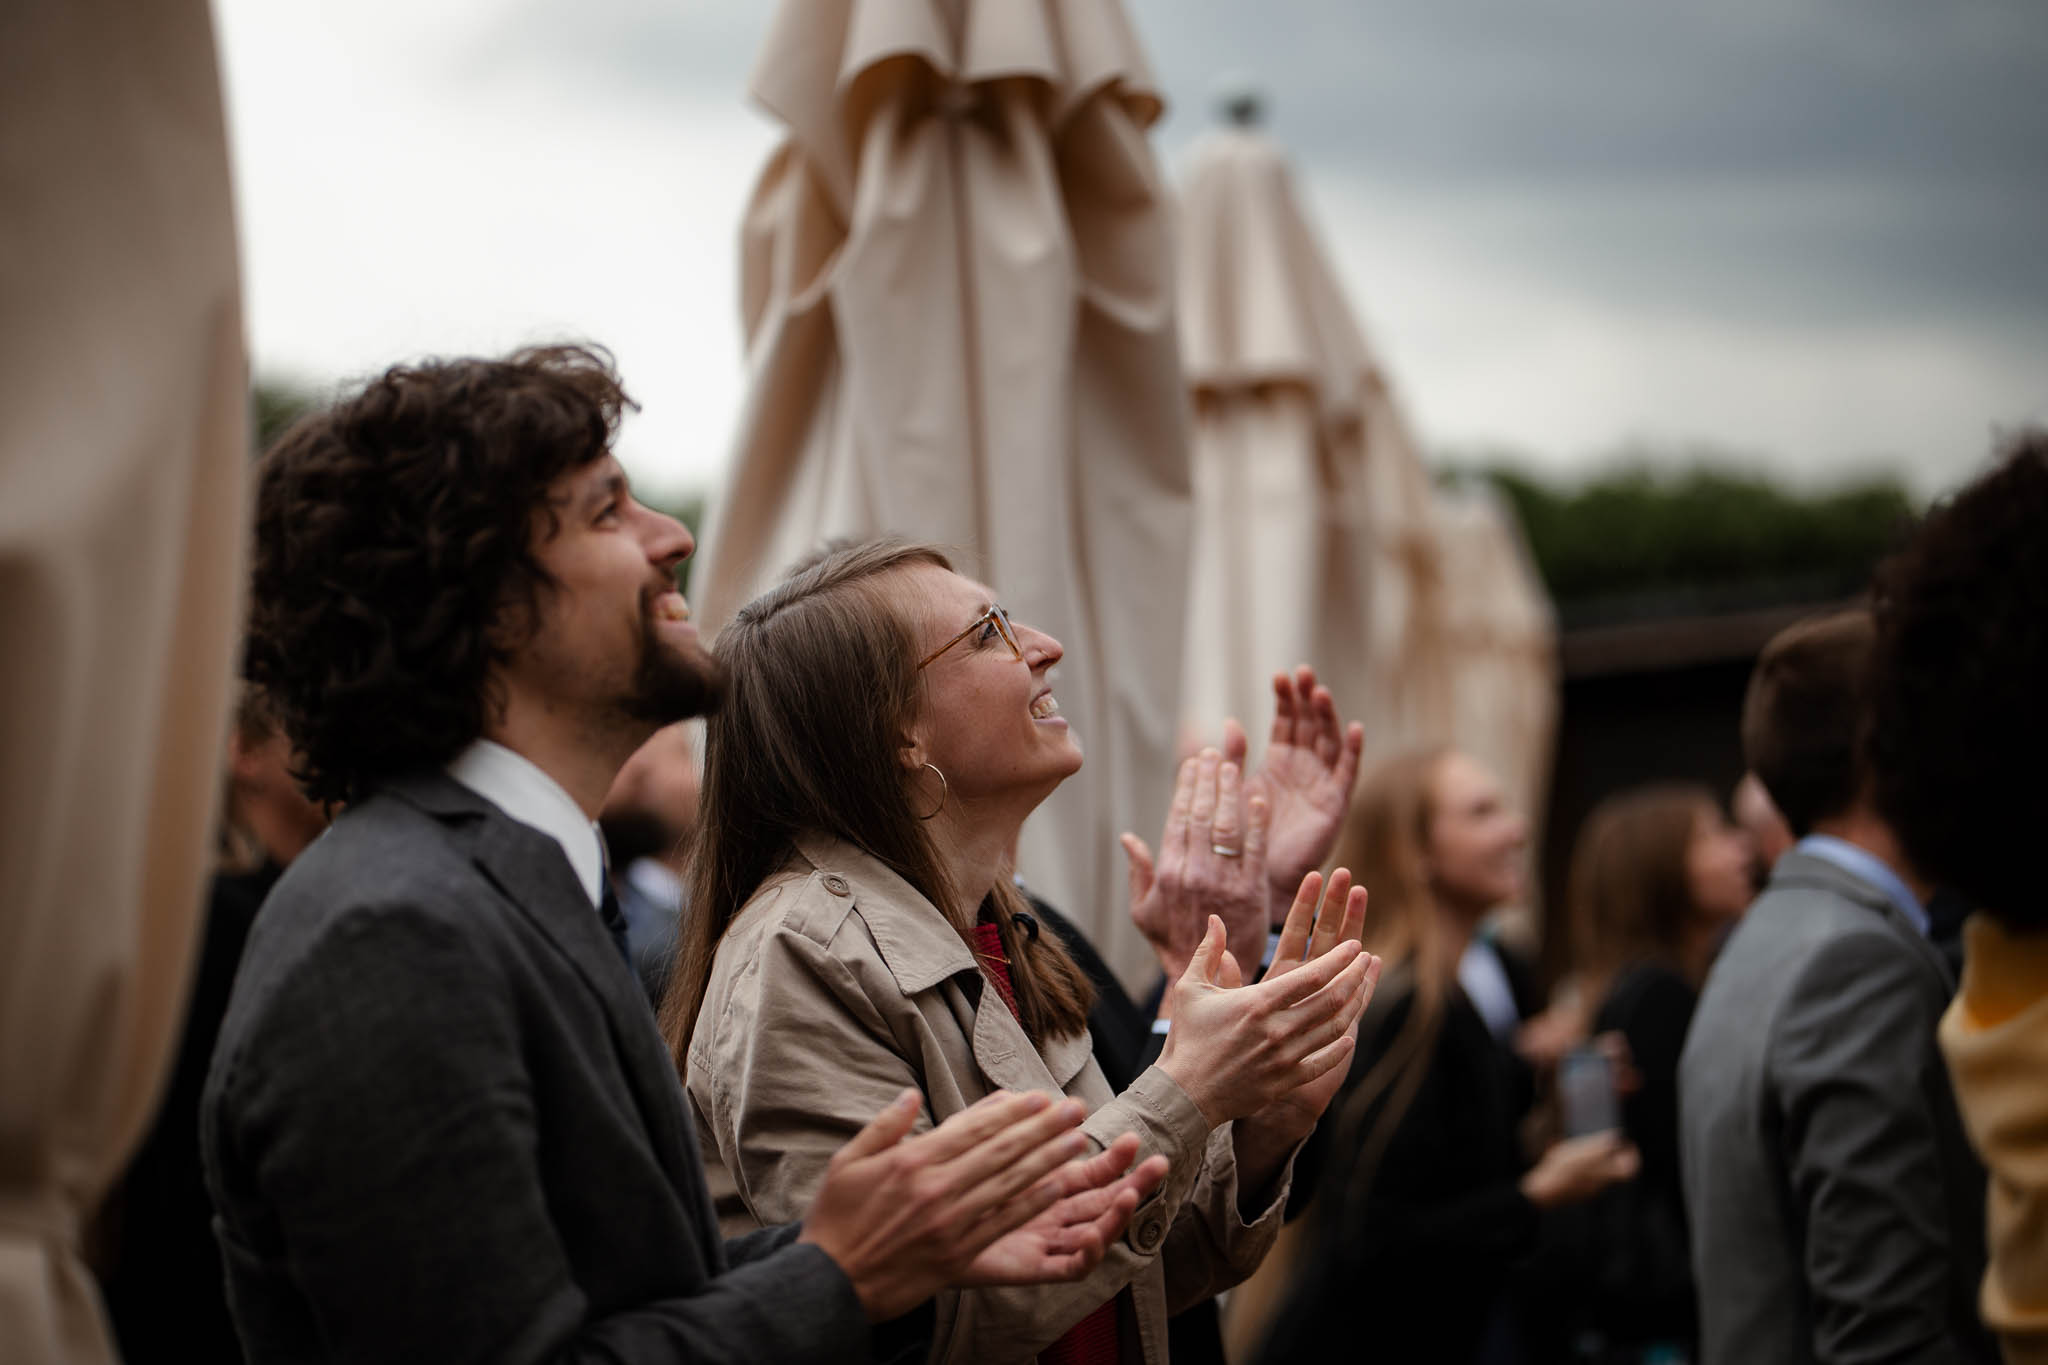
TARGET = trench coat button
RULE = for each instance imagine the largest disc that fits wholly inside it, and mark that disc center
(835, 883)
(1148, 1231)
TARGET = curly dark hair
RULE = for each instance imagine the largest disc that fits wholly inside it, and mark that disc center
(1959, 740)
(394, 561)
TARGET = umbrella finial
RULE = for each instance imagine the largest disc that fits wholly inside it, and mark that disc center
(1240, 102)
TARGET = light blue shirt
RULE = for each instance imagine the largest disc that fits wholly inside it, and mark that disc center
(1864, 865)
(1485, 979)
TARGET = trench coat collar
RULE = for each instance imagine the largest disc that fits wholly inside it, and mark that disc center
(901, 920)
(921, 949)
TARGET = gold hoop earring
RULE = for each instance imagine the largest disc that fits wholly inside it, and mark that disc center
(945, 790)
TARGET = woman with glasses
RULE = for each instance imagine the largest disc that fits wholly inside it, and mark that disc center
(854, 930)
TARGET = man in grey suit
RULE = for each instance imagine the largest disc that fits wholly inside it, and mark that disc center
(1835, 1207)
(440, 1124)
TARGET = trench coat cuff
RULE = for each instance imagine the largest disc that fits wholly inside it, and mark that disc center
(1169, 1124)
(1223, 1170)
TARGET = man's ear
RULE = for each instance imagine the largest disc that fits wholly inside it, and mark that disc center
(243, 761)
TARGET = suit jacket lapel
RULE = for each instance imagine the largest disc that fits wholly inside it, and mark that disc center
(532, 873)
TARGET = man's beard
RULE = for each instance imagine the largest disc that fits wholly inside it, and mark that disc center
(671, 684)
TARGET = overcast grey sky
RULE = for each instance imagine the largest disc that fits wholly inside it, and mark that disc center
(1805, 231)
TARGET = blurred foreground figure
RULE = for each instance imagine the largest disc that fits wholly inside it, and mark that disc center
(123, 448)
(440, 1124)
(1836, 1211)
(162, 1274)
(1961, 752)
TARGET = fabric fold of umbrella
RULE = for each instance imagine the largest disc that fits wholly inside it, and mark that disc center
(123, 450)
(958, 303)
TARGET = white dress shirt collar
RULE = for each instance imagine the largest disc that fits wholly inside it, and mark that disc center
(519, 787)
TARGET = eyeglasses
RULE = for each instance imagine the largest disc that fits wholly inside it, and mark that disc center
(994, 613)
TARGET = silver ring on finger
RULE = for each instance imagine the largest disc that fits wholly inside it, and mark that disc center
(1226, 851)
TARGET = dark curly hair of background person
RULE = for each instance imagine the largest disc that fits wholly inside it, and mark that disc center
(1959, 736)
(394, 562)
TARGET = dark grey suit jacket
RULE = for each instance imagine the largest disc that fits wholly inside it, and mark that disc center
(1837, 1212)
(440, 1124)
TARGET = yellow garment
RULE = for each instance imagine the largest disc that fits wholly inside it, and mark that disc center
(1995, 1037)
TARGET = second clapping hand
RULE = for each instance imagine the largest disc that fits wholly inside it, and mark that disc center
(1235, 1049)
(1312, 932)
(1304, 778)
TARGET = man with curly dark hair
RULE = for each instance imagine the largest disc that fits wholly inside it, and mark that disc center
(440, 1124)
(1960, 749)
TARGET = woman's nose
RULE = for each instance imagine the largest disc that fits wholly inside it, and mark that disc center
(1040, 649)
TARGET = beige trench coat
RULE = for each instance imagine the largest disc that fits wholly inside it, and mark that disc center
(836, 986)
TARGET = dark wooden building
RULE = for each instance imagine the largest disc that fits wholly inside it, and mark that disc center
(1644, 701)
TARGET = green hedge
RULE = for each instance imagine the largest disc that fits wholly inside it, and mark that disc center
(1700, 537)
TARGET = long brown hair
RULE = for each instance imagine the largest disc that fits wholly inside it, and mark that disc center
(822, 686)
(1628, 895)
(1385, 843)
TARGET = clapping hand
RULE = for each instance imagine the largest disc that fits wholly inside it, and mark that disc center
(1304, 779)
(1311, 933)
(1235, 1049)
(1070, 1239)
(904, 1216)
(1211, 861)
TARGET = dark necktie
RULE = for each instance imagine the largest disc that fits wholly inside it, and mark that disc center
(614, 922)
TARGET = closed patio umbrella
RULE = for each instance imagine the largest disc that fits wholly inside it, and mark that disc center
(1314, 540)
(958, 303)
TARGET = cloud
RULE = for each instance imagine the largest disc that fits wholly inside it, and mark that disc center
(400, 198)
(1806, 227)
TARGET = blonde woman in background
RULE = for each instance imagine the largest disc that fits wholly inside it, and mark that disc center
(1423, 1199)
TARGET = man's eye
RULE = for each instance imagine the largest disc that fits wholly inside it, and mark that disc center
(987, 633)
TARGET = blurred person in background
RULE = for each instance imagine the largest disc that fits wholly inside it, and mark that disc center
(647, 820)
(1658, 877)
(440, 1123)
(854, 929)
(1757, 816)
(1836, 1211)
(1424, 1200)
(1960, 749)
(162, 1273)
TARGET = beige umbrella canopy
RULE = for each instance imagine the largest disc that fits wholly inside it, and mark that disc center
(1502, 636)
(123, 442)
(960, 327)
(1313, 534)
